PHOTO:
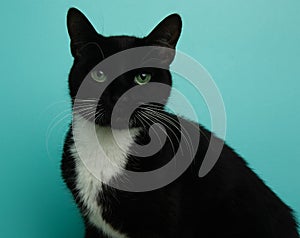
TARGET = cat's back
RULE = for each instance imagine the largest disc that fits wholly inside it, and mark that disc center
(232, 201)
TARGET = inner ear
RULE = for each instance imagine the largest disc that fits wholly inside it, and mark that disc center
(167, 32)
(80, 30)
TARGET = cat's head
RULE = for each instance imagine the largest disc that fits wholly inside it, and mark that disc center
(90, 48)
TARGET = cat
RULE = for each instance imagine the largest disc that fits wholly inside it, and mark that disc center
(230, 201)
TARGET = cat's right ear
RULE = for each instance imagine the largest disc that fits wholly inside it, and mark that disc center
(80, 30)
(167, 32)
(166, 35)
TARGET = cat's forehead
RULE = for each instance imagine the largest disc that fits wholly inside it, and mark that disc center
(115, 44)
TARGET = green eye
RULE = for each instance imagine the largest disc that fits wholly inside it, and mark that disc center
(98, 76)
(142, 79)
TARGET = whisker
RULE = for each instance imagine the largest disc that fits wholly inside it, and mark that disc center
(149, 116)
(140, 116)
(194, 125)
(173, 122)
(140, 120)
(66, 115)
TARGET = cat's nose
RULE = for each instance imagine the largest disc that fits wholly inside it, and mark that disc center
(116, 98)
(120, 105)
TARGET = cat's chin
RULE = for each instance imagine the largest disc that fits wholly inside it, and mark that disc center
(117, 124)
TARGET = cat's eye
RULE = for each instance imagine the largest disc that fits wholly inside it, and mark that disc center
(98, 76)
(142, 79)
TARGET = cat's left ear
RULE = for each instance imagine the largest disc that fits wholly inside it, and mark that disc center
(80, 30)
(166, 34)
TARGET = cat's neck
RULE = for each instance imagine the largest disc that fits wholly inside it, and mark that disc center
(102, 150)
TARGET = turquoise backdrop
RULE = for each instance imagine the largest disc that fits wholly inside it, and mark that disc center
(251, 48)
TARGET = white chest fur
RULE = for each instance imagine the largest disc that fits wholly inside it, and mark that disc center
(98, 159)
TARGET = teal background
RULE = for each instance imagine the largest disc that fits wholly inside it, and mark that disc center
(251, 48)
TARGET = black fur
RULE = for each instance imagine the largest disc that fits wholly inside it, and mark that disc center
(231, 201)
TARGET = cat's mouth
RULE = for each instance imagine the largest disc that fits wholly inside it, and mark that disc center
(142, 116)
(94, 111)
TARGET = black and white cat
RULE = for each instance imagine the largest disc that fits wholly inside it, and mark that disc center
(231, 201)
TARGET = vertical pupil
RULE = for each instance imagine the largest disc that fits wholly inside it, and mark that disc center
(143, 76)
